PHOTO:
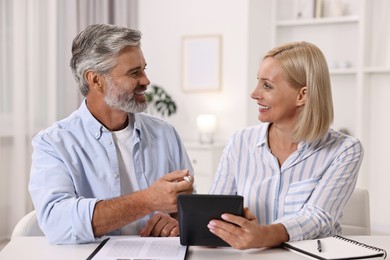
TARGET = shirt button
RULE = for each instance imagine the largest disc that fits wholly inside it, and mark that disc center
(116, 175)
(96, 134)
(109, 142)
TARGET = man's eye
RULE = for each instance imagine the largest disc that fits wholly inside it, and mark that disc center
(135, 73)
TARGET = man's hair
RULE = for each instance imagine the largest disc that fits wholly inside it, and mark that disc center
(96, 47)
(304, 64)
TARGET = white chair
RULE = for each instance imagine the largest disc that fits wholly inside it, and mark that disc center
(27, 226)
(356, 214)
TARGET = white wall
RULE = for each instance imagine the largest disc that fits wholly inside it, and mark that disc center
(260, 41)
(164, 23)
(377, 153)
(36, 83)
(246, 28)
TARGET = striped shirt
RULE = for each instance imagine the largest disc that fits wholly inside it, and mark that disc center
(306, 194)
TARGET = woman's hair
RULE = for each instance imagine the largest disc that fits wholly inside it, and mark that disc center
(304, 64)
(96, 47)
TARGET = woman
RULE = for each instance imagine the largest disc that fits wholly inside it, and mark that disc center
(296, 174)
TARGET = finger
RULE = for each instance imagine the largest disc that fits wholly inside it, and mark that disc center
(174, 232)
(169, 227)
(238, 220)
(225, 231)
(248, 214)
(188, 188)
(225, 226)
(184, 186)
(189, 178)
(147, 230)
(176, 175)
(156, 232)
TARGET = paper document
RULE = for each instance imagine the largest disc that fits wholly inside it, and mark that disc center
(148, 248)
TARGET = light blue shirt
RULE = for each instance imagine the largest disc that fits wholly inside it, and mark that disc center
(306, 194)
(75, 164)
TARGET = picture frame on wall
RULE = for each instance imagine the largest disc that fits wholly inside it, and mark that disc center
(201, 63)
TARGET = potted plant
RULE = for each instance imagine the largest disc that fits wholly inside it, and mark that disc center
(160, 100)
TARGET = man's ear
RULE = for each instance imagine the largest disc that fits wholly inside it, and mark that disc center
(301, 97)
(94, 80)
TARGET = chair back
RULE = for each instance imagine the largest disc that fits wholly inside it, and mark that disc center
(356, 214)
(27, 226)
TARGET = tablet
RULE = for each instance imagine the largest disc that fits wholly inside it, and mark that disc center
(196, 211)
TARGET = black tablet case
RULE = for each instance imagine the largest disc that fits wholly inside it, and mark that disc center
(195, 212)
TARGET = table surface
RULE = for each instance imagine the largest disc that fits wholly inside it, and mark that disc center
(38, 248)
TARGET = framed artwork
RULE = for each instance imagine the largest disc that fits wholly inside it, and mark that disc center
(201, 63)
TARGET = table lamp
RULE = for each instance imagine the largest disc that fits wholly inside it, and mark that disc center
(206, 126)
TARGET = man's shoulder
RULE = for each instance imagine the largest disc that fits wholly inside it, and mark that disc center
(151, 120)
(73, 121)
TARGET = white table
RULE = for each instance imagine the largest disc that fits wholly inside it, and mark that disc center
(37, 248)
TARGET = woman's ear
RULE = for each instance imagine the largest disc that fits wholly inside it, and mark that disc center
(301, 97)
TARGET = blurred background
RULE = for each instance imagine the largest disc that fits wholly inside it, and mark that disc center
(180, 39)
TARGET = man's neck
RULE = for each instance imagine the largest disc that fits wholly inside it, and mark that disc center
(112, 119)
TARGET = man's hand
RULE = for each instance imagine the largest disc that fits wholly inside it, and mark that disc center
(115, 213)
(162, 194)
(161, 225)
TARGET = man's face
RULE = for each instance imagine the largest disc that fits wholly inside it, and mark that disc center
(127, 82)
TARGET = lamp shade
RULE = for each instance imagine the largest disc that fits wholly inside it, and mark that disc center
(206, 123)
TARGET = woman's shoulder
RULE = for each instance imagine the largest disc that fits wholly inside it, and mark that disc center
(341, 139)
(250, 136)
(259, 129)
(337, 135)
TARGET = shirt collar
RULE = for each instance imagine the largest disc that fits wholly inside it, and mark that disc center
(97, 129)
(91, 123)
(263, 136)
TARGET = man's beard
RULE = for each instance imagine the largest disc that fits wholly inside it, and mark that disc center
(118, 98)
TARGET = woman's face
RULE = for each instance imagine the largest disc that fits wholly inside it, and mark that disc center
(278, 101)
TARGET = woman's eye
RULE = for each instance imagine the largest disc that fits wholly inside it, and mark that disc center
(266, 85)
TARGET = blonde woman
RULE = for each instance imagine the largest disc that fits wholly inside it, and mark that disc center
(296, 173)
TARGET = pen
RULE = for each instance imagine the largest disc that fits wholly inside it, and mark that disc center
(188, 178)
(98, 248)
(319, 246)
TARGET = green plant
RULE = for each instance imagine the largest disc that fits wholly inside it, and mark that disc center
(161, 100)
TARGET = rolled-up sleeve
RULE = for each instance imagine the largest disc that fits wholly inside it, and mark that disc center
(64, 217)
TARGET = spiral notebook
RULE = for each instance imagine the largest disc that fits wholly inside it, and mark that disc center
(336, 247)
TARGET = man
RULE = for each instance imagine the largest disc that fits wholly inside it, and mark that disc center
(107, 168)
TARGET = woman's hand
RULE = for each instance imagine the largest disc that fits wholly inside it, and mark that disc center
(245, 232)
